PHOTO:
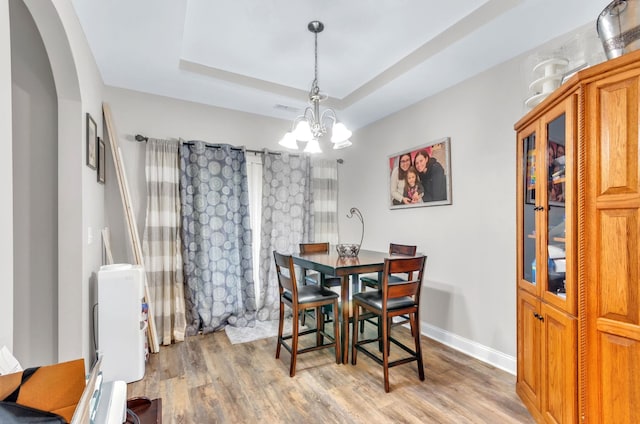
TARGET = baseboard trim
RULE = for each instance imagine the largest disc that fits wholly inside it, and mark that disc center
(469, 347)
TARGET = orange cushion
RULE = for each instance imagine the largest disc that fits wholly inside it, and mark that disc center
(55, 388)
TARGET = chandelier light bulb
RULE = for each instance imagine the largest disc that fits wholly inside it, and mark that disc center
(340, 133)
(302, 131)
(289, 141)
(313, 146)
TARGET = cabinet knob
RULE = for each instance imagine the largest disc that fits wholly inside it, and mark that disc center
(535, 314)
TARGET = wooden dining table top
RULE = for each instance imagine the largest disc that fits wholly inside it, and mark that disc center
(331, 263)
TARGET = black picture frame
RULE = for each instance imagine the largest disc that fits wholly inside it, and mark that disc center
(92, 142)
(101, 161)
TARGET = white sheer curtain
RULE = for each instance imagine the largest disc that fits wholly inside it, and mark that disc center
(162, 246)
(324, 191)
(254, 176)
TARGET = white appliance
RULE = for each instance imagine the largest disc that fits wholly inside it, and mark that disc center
(121, 326)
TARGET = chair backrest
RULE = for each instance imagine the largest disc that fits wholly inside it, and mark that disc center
(314, 248)
(402, 249)
(286, 274)
(412, 266)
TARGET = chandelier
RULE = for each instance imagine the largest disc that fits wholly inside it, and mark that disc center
(312, 124)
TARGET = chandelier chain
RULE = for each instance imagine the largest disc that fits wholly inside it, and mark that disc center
(315, 87)
(312, 123)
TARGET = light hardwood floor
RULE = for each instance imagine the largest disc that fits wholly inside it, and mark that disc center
(206, 379)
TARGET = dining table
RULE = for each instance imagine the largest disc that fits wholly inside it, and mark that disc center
(347, 268)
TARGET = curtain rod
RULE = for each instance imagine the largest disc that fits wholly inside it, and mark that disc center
(140, 138)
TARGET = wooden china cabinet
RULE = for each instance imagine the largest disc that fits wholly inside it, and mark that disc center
(578, 260)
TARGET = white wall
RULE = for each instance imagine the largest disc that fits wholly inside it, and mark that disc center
(35, 194)
(470, 291)
(161, 117)
(80, 198)
(469, 295)
(6, 183)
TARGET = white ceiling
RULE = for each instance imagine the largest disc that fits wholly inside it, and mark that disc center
(375, 57)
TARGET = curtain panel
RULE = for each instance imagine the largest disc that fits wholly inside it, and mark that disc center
(216, 231)
(162, 244)
(287, 219)
(324, 189)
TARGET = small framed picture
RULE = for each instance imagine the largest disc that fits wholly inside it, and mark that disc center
(92, 141)
(101, 161)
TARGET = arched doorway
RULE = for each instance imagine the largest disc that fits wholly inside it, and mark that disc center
(58, 305)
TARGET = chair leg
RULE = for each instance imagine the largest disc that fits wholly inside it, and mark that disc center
(411, 325)
(389, 324)
(336, 332)
(380, 339)
(294, 343)
(415, 329)
(319, 326)
(280, 325)
(385, 352)
(354, 341)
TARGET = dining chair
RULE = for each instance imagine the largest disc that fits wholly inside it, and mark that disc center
(315, 277)
(394, 299)
(329, 280)
(371, 280)
(301, 298)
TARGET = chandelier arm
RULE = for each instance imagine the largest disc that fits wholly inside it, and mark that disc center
(306, 115)
(329, 114)
(309, 114)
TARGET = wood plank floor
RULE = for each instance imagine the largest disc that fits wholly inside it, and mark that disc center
(206, 379)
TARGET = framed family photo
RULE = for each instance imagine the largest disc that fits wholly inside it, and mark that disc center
(421, 176)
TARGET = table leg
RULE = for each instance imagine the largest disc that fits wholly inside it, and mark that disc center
(345, 318)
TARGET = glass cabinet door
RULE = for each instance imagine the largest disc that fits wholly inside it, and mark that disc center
(529, 209)
(555, 206)
(545, 176)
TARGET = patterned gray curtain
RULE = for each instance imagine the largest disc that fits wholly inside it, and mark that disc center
(216, 232)
(287, 219)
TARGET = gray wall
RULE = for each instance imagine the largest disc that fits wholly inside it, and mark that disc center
(161, 117)
(35, 200)
(80, 200)
(6, 182)
(469, 297)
